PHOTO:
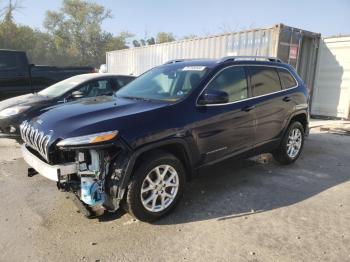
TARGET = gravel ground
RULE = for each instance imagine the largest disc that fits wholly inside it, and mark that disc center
(248, 211)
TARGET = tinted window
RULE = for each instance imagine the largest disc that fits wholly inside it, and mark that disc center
(264, 80)
(287, 79)
(122, 81)
(97, 88)
(233, 81)
(9, 60)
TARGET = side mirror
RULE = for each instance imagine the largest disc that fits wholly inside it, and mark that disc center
(77, 94)
(210, 97)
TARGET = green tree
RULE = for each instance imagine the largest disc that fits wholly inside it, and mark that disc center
(73, 35)
(143, 42)
(186, 37)
(76, 33)
(13, 36)
(164, 37)
(7, 27)
(151, 41)
(136, 43)
(6, 13)
(120, 41)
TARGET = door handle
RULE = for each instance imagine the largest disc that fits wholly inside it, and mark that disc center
(287, 99)
(248, 108)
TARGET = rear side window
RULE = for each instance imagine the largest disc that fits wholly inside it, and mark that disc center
(265, 80)
(233, 81)
(287, 79)
(122, 81)
(9, 60)
(95, 88)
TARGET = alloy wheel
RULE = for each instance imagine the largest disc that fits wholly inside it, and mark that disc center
(294, 143)
(159, 188)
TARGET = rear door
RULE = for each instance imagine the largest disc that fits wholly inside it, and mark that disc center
(14, 75)
(226, 129)
(272, 104)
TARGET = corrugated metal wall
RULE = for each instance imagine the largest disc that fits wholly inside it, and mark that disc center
(331, 95)
(294, 46)
(135, 61)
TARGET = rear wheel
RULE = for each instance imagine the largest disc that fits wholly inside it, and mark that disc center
(291, 144)
(156, 187)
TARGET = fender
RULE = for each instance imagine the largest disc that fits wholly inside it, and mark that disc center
(131, 157)
(158, 144)
(300, 111)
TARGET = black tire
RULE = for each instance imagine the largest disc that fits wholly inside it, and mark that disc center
(280, 154)
(133, 203)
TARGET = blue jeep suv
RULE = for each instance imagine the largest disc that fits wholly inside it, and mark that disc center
(137, 149)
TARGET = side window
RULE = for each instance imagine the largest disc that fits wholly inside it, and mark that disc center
(287, 79)
(85, 89)
(9, 61)
(265, 80)
(97, 88)
(128, 79)
(122, 81)
(233, 81)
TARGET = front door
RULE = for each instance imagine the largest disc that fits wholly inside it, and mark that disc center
(226, 129)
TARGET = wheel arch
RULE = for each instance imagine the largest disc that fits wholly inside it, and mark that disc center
(301, 117)
(178, 147)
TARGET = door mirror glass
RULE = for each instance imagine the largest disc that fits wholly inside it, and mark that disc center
(210, 97)
(77, 94)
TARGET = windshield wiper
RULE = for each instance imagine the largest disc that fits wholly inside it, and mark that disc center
(136, 98)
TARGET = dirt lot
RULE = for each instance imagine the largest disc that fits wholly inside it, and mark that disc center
(248, 211)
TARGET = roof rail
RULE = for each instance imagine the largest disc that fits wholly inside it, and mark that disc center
(255, 58)
(182, 60)
(175, 61)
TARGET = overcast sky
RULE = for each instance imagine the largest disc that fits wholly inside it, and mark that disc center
(184, 17)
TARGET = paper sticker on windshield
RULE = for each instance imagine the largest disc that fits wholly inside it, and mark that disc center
(193, 68)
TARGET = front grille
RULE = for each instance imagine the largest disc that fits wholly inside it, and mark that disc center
(35, 139)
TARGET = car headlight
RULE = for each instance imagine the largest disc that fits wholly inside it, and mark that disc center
(11, 111)
(88, 139)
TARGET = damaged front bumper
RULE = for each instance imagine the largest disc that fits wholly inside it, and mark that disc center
(52, 172)
(96, 177)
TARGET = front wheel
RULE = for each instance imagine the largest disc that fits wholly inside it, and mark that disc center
(291, 144)
(156, 187)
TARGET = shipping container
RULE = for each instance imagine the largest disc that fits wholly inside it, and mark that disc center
(294, 46)
(331, 95)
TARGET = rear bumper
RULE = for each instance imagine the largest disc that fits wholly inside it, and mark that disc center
(51, 172)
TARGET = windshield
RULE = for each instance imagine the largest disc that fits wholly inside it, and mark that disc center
(62, 87)
(167, 83)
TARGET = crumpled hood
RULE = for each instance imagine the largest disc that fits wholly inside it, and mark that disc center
(93, 115)
(27, 100)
